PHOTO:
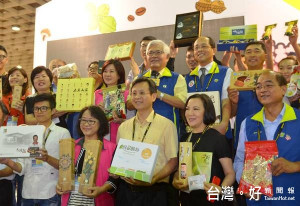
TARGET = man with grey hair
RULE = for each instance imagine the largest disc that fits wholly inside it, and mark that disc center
(172, 89)
(6, 174)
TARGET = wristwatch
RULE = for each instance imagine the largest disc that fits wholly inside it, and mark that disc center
(161, 96)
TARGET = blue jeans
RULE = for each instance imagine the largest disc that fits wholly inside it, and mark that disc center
(53, 201)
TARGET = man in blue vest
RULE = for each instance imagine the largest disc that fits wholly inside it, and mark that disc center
(245, 103)
(172, 90)
(209, 76)
(280, 122)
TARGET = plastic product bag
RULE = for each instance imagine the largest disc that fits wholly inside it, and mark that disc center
(257, 167)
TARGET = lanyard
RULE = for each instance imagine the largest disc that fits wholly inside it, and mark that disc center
(46, 138)
(277, 136)
(80, 156)
(147, 129)
(198, 140)
(210, 79)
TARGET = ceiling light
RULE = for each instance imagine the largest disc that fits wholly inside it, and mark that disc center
(19, 67)
(16, 27)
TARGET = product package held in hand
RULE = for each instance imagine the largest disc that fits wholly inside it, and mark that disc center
(257, 167)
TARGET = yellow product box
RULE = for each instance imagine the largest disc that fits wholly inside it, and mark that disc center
(74, 94)
(244, 80)
(122, 51)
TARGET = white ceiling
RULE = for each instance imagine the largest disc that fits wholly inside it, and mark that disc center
(19, 44)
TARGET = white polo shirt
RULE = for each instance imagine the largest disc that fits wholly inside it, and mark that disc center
(40, 178)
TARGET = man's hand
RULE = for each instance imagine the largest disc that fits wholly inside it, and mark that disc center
(134, 67)
(269, 44)
(173, 50)
(44, 155)
(282, 165)
(294, 38)
(233, 95)
(132, 181)
(222, 127)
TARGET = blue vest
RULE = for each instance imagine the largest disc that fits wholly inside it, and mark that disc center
(166, 85)
(247, 105)
(288, 145)
(215, 84)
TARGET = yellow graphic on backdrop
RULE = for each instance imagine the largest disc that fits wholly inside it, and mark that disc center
(293, 3)
(99, 18)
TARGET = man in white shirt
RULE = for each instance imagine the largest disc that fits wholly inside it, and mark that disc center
(41, 174)
(6, 173)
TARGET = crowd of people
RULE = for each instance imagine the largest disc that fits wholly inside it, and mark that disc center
(159, 112)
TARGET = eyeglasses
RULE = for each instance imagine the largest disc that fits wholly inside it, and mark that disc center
(142, 93)
(156, 53)
(266, 86)
(87, 121)
(2, 57)
(42, 109)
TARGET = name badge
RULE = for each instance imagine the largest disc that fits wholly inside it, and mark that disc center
(12, 121)
(37, 166)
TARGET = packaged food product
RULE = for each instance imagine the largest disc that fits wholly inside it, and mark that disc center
(257, 167)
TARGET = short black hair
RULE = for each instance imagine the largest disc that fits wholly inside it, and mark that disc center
(45, 97)
(98, 114)
(211, 42)
(2, 48)
(93, 62)
(190, 48)
(209, 116)
(3, 108)
(38, 70)
(150, 82)
(148, 38)
(263, 46)
(278, 76)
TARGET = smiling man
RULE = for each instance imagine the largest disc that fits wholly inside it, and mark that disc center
(209, 76)
(171, 85)
(245, 103)
(41, 174)
(275, 121)
(190, 60)
(150, 127)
